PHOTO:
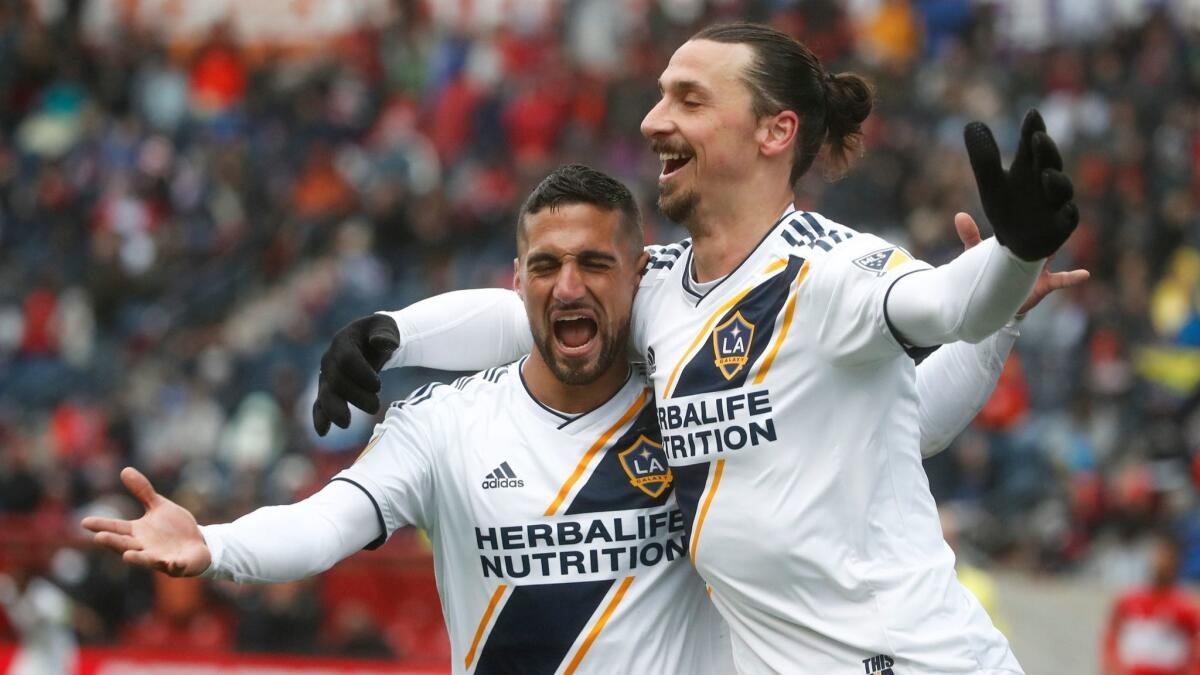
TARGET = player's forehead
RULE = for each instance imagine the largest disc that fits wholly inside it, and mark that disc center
(704, 65)
(573, 229)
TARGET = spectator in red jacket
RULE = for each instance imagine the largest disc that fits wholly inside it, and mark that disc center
(1154, 629)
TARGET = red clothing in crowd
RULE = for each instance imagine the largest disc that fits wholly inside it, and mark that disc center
(1153, 632)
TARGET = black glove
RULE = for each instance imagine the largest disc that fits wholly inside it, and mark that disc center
(350, 370)
(1029, 206)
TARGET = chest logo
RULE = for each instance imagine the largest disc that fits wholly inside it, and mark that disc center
(731, 345)
(646, 465)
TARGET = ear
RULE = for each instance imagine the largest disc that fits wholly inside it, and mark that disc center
(642, 260)
(516, 284)
(777, 132)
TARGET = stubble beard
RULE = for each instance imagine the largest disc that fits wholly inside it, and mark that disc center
(584, 373)
(678, 207)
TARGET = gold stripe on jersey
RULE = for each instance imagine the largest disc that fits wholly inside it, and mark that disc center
(483, 622)
(701, 335)
(712, 490)
(591, 452)
(608, 611)
(370, 445)
(777, 265)
(788, 311)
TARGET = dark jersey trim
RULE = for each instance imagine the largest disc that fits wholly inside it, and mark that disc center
(383, 533)
(687, 273)
(568, 419)
(917, 354)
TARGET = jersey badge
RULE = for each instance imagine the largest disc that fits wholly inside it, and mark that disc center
(646, 465)
(883, 261)
(731, 345)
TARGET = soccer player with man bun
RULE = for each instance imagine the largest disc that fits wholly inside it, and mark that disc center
(781, 348)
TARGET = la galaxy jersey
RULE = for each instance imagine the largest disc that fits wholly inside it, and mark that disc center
(789, 417)
(558, 543)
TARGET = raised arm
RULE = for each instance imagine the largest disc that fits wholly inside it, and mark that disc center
(460, 330)
(955, 382)
(1030, 209)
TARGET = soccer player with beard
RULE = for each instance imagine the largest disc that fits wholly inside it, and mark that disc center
(558, 543)
(777, 342)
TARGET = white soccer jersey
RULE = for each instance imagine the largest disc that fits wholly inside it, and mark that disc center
(558, 545)
(789, 417)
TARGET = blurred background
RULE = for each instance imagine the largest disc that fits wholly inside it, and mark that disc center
(194, 196)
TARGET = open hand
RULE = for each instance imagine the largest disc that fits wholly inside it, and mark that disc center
(166, 538)
(1047, 281)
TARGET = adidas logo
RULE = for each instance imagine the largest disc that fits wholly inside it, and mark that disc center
(502, 477)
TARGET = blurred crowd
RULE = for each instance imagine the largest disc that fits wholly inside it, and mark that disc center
(183, 227)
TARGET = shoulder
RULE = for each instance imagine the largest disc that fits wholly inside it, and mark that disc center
(449, 397)
(663, 259)
(836, 250)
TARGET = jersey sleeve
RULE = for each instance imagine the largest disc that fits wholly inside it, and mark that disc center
(662, 259)
(954, 384)
(396, 467)
(462, 330)
(846, 296)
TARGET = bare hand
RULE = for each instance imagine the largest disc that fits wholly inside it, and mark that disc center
(1047, 281)
(166, 538)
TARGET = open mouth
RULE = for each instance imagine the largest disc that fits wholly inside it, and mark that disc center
(574, 333)
(673, 162)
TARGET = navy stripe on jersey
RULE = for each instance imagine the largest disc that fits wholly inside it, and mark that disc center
(538, 625)
(611, 486)
(377, 541)
(806, 230)
(689, 485)
(760, 308)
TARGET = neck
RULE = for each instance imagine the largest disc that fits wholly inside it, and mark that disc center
(725, 235)
(572, 398)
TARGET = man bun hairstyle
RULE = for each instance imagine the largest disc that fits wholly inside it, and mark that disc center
(578, 184)
(785, 75)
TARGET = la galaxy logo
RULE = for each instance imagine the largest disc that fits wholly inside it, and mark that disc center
(880, 664)
(883, 260)
(731, 345)
(646, 465)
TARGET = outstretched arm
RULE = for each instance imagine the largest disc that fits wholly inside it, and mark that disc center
(1030, 209)
(954, 383)
(275, 543)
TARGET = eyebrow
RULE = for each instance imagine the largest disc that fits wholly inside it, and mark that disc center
(685, 86)
(584, 256)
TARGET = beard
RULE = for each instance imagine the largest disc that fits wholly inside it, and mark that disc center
(583, 372)
(677, 206)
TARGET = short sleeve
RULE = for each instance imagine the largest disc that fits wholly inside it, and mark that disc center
(846, 297)
(396, 468)
(658, 267)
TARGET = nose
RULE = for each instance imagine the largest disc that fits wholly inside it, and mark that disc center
(568, 286)
(656, 122)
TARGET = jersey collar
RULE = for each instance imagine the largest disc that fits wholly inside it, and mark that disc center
(692, 289)
(581, 423)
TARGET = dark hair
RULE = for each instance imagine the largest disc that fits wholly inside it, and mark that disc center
(786, 75)
(579, 184)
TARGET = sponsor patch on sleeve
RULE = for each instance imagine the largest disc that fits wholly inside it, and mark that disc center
(883, 261)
